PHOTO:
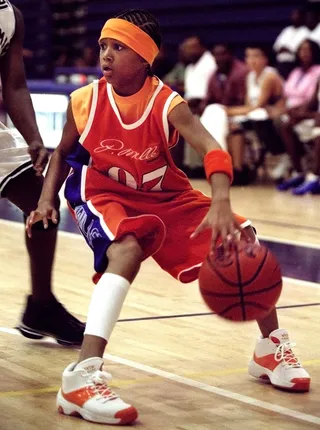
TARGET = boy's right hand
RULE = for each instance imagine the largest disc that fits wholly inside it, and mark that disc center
(44, 212)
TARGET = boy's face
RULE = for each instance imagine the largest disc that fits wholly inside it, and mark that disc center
(120, 65)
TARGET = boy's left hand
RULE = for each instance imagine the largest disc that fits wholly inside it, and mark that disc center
(223, 223)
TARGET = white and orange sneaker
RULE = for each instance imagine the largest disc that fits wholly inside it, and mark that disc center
(273, 359)
(85, 392)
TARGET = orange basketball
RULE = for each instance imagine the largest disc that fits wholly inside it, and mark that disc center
(244, 286)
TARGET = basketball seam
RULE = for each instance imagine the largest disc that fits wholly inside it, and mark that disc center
(243, 309)
(251, 293)
(234, 284)
(258, 305)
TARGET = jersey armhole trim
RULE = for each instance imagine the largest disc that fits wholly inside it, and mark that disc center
(95, 92)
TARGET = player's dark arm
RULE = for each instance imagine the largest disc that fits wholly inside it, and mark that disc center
(14, 87)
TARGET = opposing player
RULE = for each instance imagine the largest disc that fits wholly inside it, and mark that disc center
(130, 202)
(21, 181)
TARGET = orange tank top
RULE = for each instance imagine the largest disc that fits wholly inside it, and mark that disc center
(137, 154)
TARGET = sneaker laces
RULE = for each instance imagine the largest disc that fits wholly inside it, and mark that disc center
(284, 353)
(98, 381)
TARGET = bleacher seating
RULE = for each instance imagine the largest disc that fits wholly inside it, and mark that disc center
(238, 22)
(38, 36)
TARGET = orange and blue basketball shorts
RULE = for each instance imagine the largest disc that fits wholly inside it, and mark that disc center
(162, 222)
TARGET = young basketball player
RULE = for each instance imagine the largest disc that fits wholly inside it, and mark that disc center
(21, 180)
(130, 202)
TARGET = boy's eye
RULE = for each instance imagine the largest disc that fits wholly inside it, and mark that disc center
(118, 47)
(102, 46)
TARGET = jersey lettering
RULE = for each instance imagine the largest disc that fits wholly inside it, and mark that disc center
(151, 181)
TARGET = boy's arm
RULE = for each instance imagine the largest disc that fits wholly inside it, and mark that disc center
(201, 140)
(59, 168)
(220, 217)
(57, 173)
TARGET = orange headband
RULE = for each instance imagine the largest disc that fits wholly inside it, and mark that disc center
(132, 36)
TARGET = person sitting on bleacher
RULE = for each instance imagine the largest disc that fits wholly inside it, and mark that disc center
(288, 41)
(301, 126)
(264, 90)
(200, 66)
(300, 90)
(264, 87)
(227, 85)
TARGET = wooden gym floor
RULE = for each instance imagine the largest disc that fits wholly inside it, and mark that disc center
(183, 368)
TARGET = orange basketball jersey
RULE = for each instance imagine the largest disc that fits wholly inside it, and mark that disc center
(136, 155)
(124, 180)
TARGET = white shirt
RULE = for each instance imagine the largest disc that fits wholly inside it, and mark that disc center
(254, 84)
(7, 25)
(290, 38)
(315, 34)
(197, 76)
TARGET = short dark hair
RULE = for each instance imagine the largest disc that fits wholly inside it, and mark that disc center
(265, 49)
(225, 45)
(145, 21)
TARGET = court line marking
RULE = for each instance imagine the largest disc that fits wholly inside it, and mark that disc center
(118, 383)
(202, 314)
(301, 416)
(79, 237)
(267, 238)
(216, 390)
(263, 237)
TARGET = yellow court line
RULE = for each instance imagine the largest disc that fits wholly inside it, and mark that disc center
(140, 381)
(44, 390)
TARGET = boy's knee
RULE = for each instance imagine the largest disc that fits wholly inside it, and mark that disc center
(126, 249)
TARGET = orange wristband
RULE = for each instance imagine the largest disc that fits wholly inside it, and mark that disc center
(218, 161)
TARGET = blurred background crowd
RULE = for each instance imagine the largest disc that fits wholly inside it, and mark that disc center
(250, 69)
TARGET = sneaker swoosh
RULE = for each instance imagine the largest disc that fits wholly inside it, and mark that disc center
(79, 397)
(266, 361)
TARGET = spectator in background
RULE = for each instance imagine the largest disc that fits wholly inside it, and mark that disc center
(264, 89)
(89, 58)
(303, 80)
(312, 22)
(298, 90)
(227, 87)
(162, 63)
(288, 41)
(201, 65)
(63, 59)
(227, 84)
(175, 78)
(301, 126)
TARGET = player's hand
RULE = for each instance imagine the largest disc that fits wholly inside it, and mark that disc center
(44, 212)
(223, 223)
(39, 156)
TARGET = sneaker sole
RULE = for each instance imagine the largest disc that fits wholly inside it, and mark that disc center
(297, 384)
(31, 333)
(125, 416)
